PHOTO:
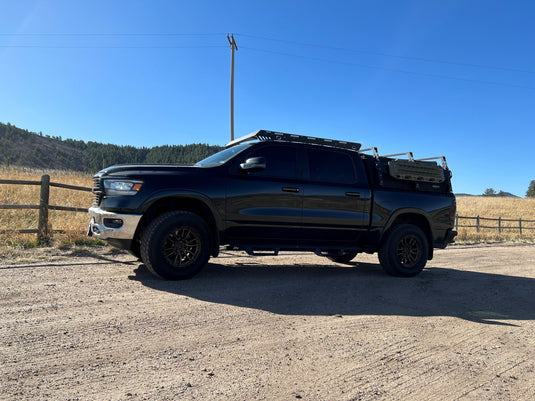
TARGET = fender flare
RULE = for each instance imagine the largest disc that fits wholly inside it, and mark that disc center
(189, 200)
(414, 216)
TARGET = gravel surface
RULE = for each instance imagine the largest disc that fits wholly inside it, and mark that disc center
(297, 326)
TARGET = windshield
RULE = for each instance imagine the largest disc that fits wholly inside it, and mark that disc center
(222, 157)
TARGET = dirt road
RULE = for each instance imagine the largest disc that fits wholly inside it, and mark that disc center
(266, 328)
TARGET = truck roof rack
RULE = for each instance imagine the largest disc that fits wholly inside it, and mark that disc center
(442, 158)
(411, 169)
(409, 155)
(263, 135)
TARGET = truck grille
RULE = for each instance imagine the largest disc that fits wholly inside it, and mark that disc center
(97, 191)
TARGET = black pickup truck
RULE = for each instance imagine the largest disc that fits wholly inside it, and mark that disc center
(268, 192)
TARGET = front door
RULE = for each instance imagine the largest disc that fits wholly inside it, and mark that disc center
(265, 206)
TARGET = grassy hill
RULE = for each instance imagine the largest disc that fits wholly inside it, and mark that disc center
(20, 147)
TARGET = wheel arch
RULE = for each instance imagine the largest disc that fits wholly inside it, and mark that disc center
(410, 216)
(196, 205)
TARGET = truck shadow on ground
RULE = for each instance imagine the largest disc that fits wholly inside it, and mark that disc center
(360, 289)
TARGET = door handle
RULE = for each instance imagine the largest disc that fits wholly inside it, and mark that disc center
(290, 189)
(354, 194)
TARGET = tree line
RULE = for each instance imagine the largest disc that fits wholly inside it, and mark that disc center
(530, 193)
(20, 147)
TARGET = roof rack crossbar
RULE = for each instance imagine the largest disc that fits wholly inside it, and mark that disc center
(373, 149)
(408, 154)
(442, 158)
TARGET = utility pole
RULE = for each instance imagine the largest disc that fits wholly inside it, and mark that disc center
(233, 47)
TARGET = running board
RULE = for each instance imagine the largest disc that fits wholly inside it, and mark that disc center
(273, 250)
(254, 251)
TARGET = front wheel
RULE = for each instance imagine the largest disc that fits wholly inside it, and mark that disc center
(404, 252)
(176, 245)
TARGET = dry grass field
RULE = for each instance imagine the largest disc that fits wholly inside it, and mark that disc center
(74, 225)
(494, 208)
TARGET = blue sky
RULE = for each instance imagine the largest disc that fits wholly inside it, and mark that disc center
(453, 78)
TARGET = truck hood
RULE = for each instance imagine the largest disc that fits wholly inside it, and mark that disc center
(142, 169)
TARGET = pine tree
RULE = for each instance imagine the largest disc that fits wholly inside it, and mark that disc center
(530, 193)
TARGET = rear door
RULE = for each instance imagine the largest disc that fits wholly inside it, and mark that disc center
(336, 197)
(266, 206)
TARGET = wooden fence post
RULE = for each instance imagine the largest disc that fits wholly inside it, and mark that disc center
(477, 223)
(499, 224)
(520, 225)
(43, 235)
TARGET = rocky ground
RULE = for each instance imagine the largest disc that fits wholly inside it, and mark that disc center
(101, 327)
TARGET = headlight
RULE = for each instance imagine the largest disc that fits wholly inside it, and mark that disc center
(122, 187)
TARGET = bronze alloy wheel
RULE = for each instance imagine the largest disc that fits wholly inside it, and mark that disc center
(409, 251)
(182, 247)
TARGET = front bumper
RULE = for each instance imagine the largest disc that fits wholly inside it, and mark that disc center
(107, 225)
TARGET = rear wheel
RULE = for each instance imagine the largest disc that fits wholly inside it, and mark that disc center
(176, 245)
(404, 252)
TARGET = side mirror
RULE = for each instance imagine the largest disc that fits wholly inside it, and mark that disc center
(254, 164)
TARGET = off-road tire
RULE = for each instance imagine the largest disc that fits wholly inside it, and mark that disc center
(404, 251)
(176, 245)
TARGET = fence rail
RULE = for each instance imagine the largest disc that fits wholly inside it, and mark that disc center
(520, 224)
(42, 231)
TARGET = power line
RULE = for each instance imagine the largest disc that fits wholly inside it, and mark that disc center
(148, 34)
(428, 60)
(302, 44)
(111, 47)
(390, 69)
(107, 35)
(201, 34)
(174, 34)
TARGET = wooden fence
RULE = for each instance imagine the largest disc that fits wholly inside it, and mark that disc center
(42, 231)
(500, 225)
